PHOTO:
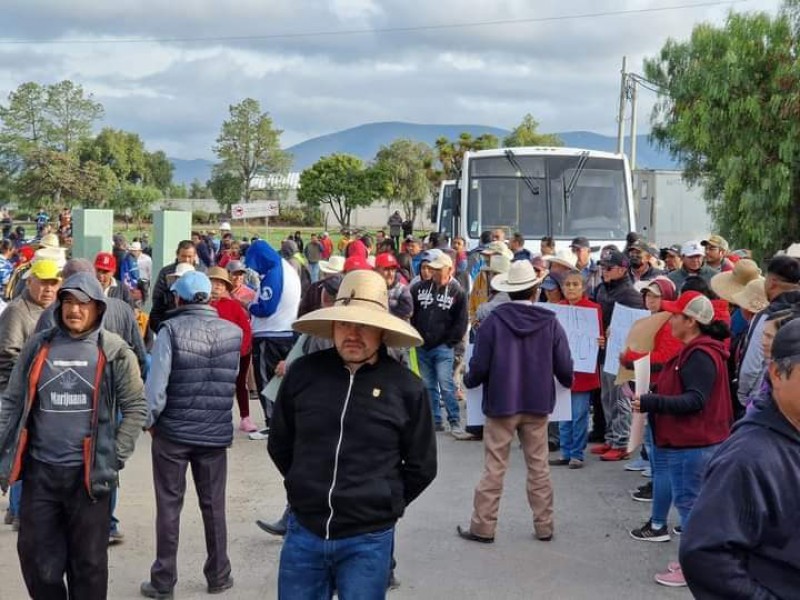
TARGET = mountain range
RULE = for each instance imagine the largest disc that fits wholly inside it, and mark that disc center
(364, 141)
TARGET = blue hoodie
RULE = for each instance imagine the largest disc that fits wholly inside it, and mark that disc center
(278, 293)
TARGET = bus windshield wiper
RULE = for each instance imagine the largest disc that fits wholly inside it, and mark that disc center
(534, 189)
(584, 157)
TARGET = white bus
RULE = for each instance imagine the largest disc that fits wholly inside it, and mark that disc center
(558, 192)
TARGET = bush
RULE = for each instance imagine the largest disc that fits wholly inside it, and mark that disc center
(200, 217)
(298, 216)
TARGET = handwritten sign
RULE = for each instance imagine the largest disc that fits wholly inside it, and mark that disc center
(621, 323)
(582, 328)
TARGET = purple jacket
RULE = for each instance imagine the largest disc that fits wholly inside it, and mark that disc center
(518, 350)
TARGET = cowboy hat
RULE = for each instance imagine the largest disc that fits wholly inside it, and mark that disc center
(363, 299)
(334, 265)
(564, 257)
(497, 248)
(753, 297)
(498, 263)
(727, 285)
(222, 275)
(520, 276)
(49, 241)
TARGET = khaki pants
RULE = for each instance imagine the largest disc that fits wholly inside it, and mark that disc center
(497, 437)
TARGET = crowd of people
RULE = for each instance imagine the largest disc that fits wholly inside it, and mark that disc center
(359, 353)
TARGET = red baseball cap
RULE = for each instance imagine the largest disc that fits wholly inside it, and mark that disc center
(386, 260)
(105, 261)
(692, 304)
(356, 263)
(25, 253)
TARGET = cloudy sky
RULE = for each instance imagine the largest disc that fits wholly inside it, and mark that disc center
(169, 69)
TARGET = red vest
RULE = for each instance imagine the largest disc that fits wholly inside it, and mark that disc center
(707, 427)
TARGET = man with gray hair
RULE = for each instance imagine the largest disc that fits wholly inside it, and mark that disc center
(740, 540)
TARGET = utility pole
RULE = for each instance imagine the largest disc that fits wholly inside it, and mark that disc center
(622, 102)
(634, 97)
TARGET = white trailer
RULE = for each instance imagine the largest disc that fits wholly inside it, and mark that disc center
(669, 210)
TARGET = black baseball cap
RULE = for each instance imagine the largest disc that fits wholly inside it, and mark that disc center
(787, 342)
(612, 257)
(580, 242)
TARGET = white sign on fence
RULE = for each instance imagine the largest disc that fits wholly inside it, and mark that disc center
(621, 323)
(582, 328)
(253, 210)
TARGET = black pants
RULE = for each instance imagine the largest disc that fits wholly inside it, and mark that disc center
(62, 532)
(267, 353)
(209, 470)
(598, 418)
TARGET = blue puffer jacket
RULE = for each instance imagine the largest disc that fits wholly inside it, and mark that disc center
(202, 381)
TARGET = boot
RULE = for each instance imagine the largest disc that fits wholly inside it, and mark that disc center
(279, 526)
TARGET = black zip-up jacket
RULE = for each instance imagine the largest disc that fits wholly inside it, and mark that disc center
(440, 313)
(354, 450)
(620, 290)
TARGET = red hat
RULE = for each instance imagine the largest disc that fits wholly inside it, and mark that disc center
(356, 263)
(386, 260)
(105, 261)
(25, 254)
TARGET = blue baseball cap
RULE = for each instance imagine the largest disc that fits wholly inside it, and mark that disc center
(193, 286)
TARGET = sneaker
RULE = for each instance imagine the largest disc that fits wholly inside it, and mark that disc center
(115, 536)
(671, 579)
(558, 462)
(247, 425)
(648, 472)
(674, 567)
(677, 530)
(645, 486)
(615, 454)
(645, 495)
(8, 519)
(259, 435)
(221, 587)
(394, 582)
(637, 465)
(646, 533)
(601, 449)
(575, 463)
(148, 590)
(15, 524)
(439, 427)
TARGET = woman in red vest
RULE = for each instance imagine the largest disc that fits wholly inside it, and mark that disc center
(690, 413)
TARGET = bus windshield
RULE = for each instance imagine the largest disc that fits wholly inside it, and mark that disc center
(446, 209)
(500, 197)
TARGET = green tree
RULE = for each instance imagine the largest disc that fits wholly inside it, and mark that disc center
(342, 183)
(403, 166)
(226, 188)
(450, 155)
(122, 151)
(159, 170)
(248, 145)
(526, 134)
(136, 201)
(69, 115)
(198, 190)
(24, 121)
(178, 191)
(729, 111)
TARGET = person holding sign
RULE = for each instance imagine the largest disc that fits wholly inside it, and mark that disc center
(691, 412)
(575, 433)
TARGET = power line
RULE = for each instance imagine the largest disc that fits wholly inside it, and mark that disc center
(347, 32)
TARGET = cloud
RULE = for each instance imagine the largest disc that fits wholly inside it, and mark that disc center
(175, 93)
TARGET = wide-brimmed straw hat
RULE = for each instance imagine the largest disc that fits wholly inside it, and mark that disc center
(333, 265)
(520, 276)
(727, 285)
(564, 257)
(222, 275)
(362, 299)
(753, 298)
(498, 263)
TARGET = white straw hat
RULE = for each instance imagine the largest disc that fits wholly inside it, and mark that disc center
(520, 276)
(334, 265)
(564, 257)
(363, 299)
(753, 297)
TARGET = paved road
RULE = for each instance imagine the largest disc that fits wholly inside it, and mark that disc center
(591, 558)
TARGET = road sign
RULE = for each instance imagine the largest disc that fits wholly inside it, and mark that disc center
(252, 210)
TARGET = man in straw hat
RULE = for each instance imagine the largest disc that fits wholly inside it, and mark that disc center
(353, 437)
(517, 398)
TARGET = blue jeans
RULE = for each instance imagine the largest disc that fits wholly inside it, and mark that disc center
(436, 368)
(575, 433)
(313, 269)
(662, 487)
(311, 568)
(15, 498)
(687, 466)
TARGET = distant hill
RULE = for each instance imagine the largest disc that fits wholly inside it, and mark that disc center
(364, 141)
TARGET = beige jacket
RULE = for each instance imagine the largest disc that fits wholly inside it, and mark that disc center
(17, 325)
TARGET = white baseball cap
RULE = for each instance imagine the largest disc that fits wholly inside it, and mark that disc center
(692, 248)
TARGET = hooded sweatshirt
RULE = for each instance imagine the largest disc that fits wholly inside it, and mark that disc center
(741, 541)
(278, 296)
(519, 348)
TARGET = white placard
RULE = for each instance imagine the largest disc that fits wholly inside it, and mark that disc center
(621, 323)
(252, 210)
(582, 328)
(641, 369)
(563, 408)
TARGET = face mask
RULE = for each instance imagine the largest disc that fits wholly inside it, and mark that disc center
(636, 261)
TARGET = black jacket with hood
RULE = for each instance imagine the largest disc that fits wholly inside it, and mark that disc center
(120, 390)
(354, 449)
(742, 540)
